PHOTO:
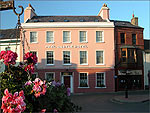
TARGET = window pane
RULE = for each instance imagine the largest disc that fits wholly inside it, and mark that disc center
(83, 80)
(99, 57)
(33, 36)
(99, 37)
(66, 36)
(133, 38)
(83, 36)
(66, 57)
(83, 57)
(122, 35)
(49, 76)
(50, 57)
(49, 36)
(100, 80)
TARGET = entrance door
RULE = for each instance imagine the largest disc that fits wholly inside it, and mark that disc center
(67, 81)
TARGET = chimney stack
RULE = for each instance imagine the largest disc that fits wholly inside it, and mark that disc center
(134, 20)
(29, 13)
(104, 12)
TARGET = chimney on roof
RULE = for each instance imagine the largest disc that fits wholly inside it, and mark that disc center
(104, 12)
(29, 13)
(134, 20)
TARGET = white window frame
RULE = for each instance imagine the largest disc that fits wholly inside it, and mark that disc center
(63, 36)
(63, 58)
(53, 37)
(36, 36)
(53, 59)
(50, 72)
(86, 56)
(103, 58)
(86, 37)
(102, 36)
(104, 79)
(87, 80)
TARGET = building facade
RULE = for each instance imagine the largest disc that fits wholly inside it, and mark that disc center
(129, 46)
(75, 50)
(9, 41)
(146, 57)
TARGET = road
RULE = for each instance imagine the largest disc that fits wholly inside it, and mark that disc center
(102, 103)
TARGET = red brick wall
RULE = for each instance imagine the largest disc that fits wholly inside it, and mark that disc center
(109, 77)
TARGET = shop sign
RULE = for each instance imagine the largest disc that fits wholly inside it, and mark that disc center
(129, 72)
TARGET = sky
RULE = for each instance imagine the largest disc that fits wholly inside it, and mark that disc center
(119, 10)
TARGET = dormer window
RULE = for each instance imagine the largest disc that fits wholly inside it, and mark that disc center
(81, 20)
(35, 20)
(51, 20)
(66, 20)
(96, 20)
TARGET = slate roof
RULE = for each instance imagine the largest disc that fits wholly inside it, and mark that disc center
(8, 34)
(65, 19)
(128, 24)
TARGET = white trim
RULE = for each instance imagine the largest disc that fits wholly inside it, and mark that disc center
(46, 37)
(30, 37)
(63, 37)
(63, 58)
(104, 80)
(68, 24)
(86, 56)
(9, 39)
(86, 36)
(50, 72)
(102, 36)
(46, 58)
(87, 80)
(103, 58)
(71, 80)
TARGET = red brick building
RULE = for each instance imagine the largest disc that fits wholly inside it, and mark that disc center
(129, 45)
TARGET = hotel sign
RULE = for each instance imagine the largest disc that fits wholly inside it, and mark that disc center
(67, 46)
(130, 72)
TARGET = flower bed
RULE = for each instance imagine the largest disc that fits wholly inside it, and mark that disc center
(20, 94)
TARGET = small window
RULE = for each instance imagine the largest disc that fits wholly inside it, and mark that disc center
(7, 48)
(134, 39)
(99, 57)
(34, 75)
(96, 20)
(51, 20)
(99, 36)
(83, 37)
(66, 57)
(122, 36)
(83, 57)
(49, 36)
(83, 80)
(81, 20)
(100, 80)
(66, 37)
(50, 57)
(33, 37)
(49, 76)
(66, 20)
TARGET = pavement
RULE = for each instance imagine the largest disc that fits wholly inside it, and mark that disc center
(133, 97)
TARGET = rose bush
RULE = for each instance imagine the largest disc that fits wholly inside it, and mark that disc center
(34, 96)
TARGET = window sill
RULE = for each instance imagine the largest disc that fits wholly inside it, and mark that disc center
(100, 42)
(83, 42)
(67, 42)
(33, 42)
(100, 64)
(50, 42)
(84, 64)
(67, 64)
(100, 87)
(50, 64)
(83, 87)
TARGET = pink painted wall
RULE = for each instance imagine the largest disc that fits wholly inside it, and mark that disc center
(40, 46)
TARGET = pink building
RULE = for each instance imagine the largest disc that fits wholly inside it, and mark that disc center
(75, 50)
